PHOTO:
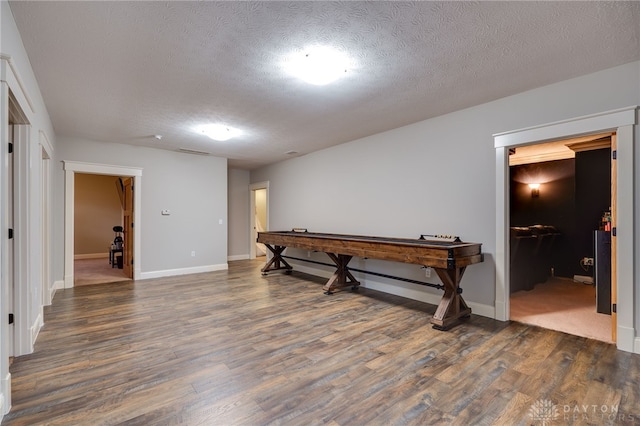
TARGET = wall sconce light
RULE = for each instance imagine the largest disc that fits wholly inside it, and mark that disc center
(535, 190)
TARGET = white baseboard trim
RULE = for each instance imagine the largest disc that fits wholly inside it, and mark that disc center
(57, 285)
(313, 271)
(407, 290)
(5, 395)
(68, 281)
(626, 339)
(487, 311)
(183, 271)
(91, 256)
(636, 346)
(237, 257)
(35, 328)
(501, 311)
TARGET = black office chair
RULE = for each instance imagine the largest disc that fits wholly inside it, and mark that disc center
(118, 241)
(116, 247)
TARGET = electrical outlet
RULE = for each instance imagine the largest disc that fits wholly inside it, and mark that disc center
(427, 272)
(193, 254)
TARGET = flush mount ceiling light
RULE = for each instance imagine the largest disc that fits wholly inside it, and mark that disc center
(219, 132)
(318, 65)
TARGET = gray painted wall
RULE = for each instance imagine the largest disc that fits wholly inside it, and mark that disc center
(435, 176)
(192, 187)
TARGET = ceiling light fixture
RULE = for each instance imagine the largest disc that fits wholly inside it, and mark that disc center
(318, 65)
(219, 132)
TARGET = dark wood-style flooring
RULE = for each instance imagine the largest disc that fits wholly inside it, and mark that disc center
(236, 348)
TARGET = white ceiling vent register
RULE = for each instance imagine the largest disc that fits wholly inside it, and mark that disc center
(193, 151)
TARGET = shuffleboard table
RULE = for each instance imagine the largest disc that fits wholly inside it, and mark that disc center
(448, 258)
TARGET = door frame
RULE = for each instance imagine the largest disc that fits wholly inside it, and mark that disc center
(128, 259)
(70, 169)
(23, 268)
(14, 99)
(45, 191)
(252, 216)
(622, 122)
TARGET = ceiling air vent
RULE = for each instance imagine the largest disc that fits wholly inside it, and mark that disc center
(192, 151)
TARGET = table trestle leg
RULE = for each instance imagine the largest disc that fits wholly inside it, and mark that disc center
(452, 307)
(341, 277)
(277, 261)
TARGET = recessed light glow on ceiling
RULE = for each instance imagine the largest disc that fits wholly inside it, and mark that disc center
(219, 132)
(318, 65)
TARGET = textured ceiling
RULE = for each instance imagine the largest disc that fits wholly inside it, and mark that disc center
(124, 71)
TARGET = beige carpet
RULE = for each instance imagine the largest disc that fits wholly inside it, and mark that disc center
(96, 271)
(564, 305)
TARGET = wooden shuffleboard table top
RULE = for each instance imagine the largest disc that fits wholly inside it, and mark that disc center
(433, 253)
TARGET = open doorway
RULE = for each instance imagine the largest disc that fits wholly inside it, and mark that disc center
(99, 223)
(132, 178)
(560, 214)
(622, 122)
(259, 217)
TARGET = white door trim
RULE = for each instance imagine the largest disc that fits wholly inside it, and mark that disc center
(11, 85)
(45, 194)
(22, 272)
(73, 167)
(252, 216)
(621, 121)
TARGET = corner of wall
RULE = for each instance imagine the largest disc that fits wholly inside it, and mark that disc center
(636, 345)
(5, 395)
(627, 340)
(35, 329)
(57, 285)
(68, 281)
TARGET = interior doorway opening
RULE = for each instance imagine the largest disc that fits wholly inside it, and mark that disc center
(135, 176)
(103, 251)
(259, 217)
(560, 210)
(622, 122)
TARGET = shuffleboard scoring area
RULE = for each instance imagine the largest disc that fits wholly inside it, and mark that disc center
(446, 254)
